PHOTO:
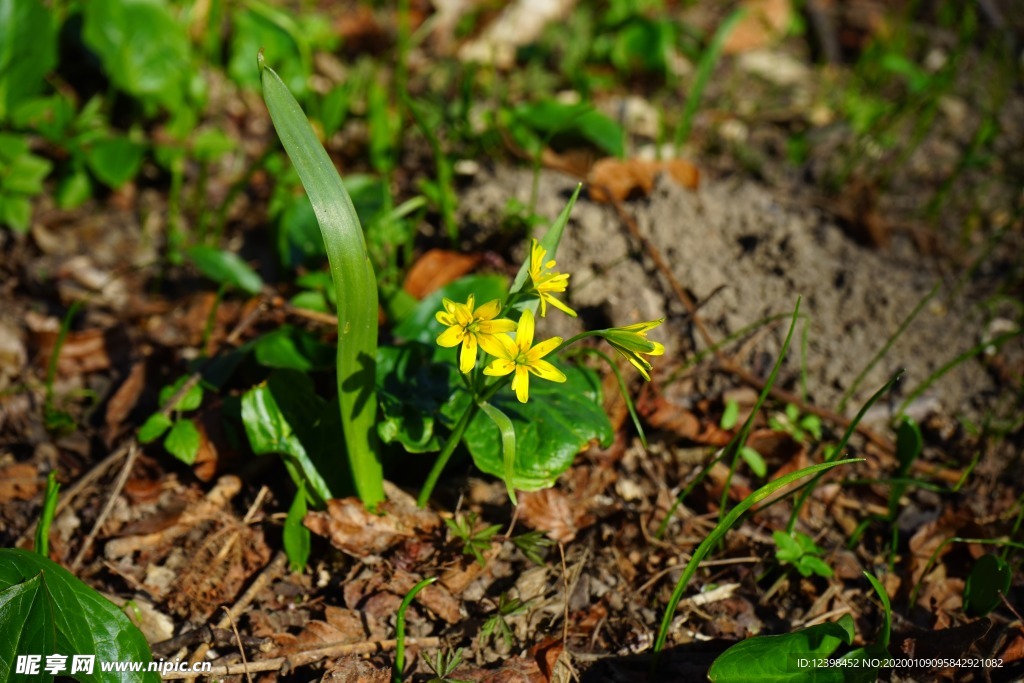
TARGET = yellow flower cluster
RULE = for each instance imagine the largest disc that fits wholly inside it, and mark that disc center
(480, 328)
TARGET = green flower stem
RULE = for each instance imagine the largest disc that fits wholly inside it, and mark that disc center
(453, 440)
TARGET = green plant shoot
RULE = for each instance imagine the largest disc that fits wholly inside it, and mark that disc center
(354, 282)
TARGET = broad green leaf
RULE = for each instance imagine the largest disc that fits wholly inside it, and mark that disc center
(226, 268)
(989, 578)
(114, 161)
(551, 428)
(423, 327)
(81, 621)
(775, 659)
(26, 617)
(412, 389)
(154, 427)
(28, 50)
(144, 50)
(354, 282)
(295, 535)
(288, 347)
(182, 441)
(285, 416)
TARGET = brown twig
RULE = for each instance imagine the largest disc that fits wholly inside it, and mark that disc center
(303, 658)
(108, 507)
(269, 573)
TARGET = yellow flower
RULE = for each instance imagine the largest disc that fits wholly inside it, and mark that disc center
(520, 357)
(631, 341)
(545, 282)
(473, 328)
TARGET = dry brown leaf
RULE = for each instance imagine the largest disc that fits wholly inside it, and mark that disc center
(81, 353)
(1014, 650)
(19, 481)
(436, 268)
(356, 670)
(622, 179)
(549, 510)
(765, 22)
(434, 597)
(350, 527)
(124, 399)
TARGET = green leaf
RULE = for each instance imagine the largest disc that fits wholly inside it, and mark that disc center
(15, 212)
(508, 446)
(789, 549)
(989, 577)
(28, 51)
(144, 50)
(549, 241)
(74, 189)
(551, 428)
(412, 389)
(78, 619)
(295, 349)
(25, 174)
(731, 414)
(909, 444)
(183, 441)
(775, 659)
(550, 117)
(261, 27)
(226, 268)
(354, 282)
(154, 426)
(114, 161)
(286, 417)
(27, 602)
(423, 327)
(192, 399)
(296, 536)
(47, 514)
(754, 461)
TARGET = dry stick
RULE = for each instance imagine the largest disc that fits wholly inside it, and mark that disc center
(132, 446)
(727, 363)
(269, 573)
(303, 658)
(108, 507)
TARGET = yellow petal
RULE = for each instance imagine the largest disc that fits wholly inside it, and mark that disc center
(445, 318)
(521, 384)
(488, 310)
(524, 333)
(499, 367)
(546, 370)
(496, 326)
(561, 306)
(467, 359)
(451, 337)
(658, 350)
(494, 345)
(543, 348)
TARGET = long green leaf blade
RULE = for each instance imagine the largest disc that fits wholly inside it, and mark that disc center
(354, 282)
